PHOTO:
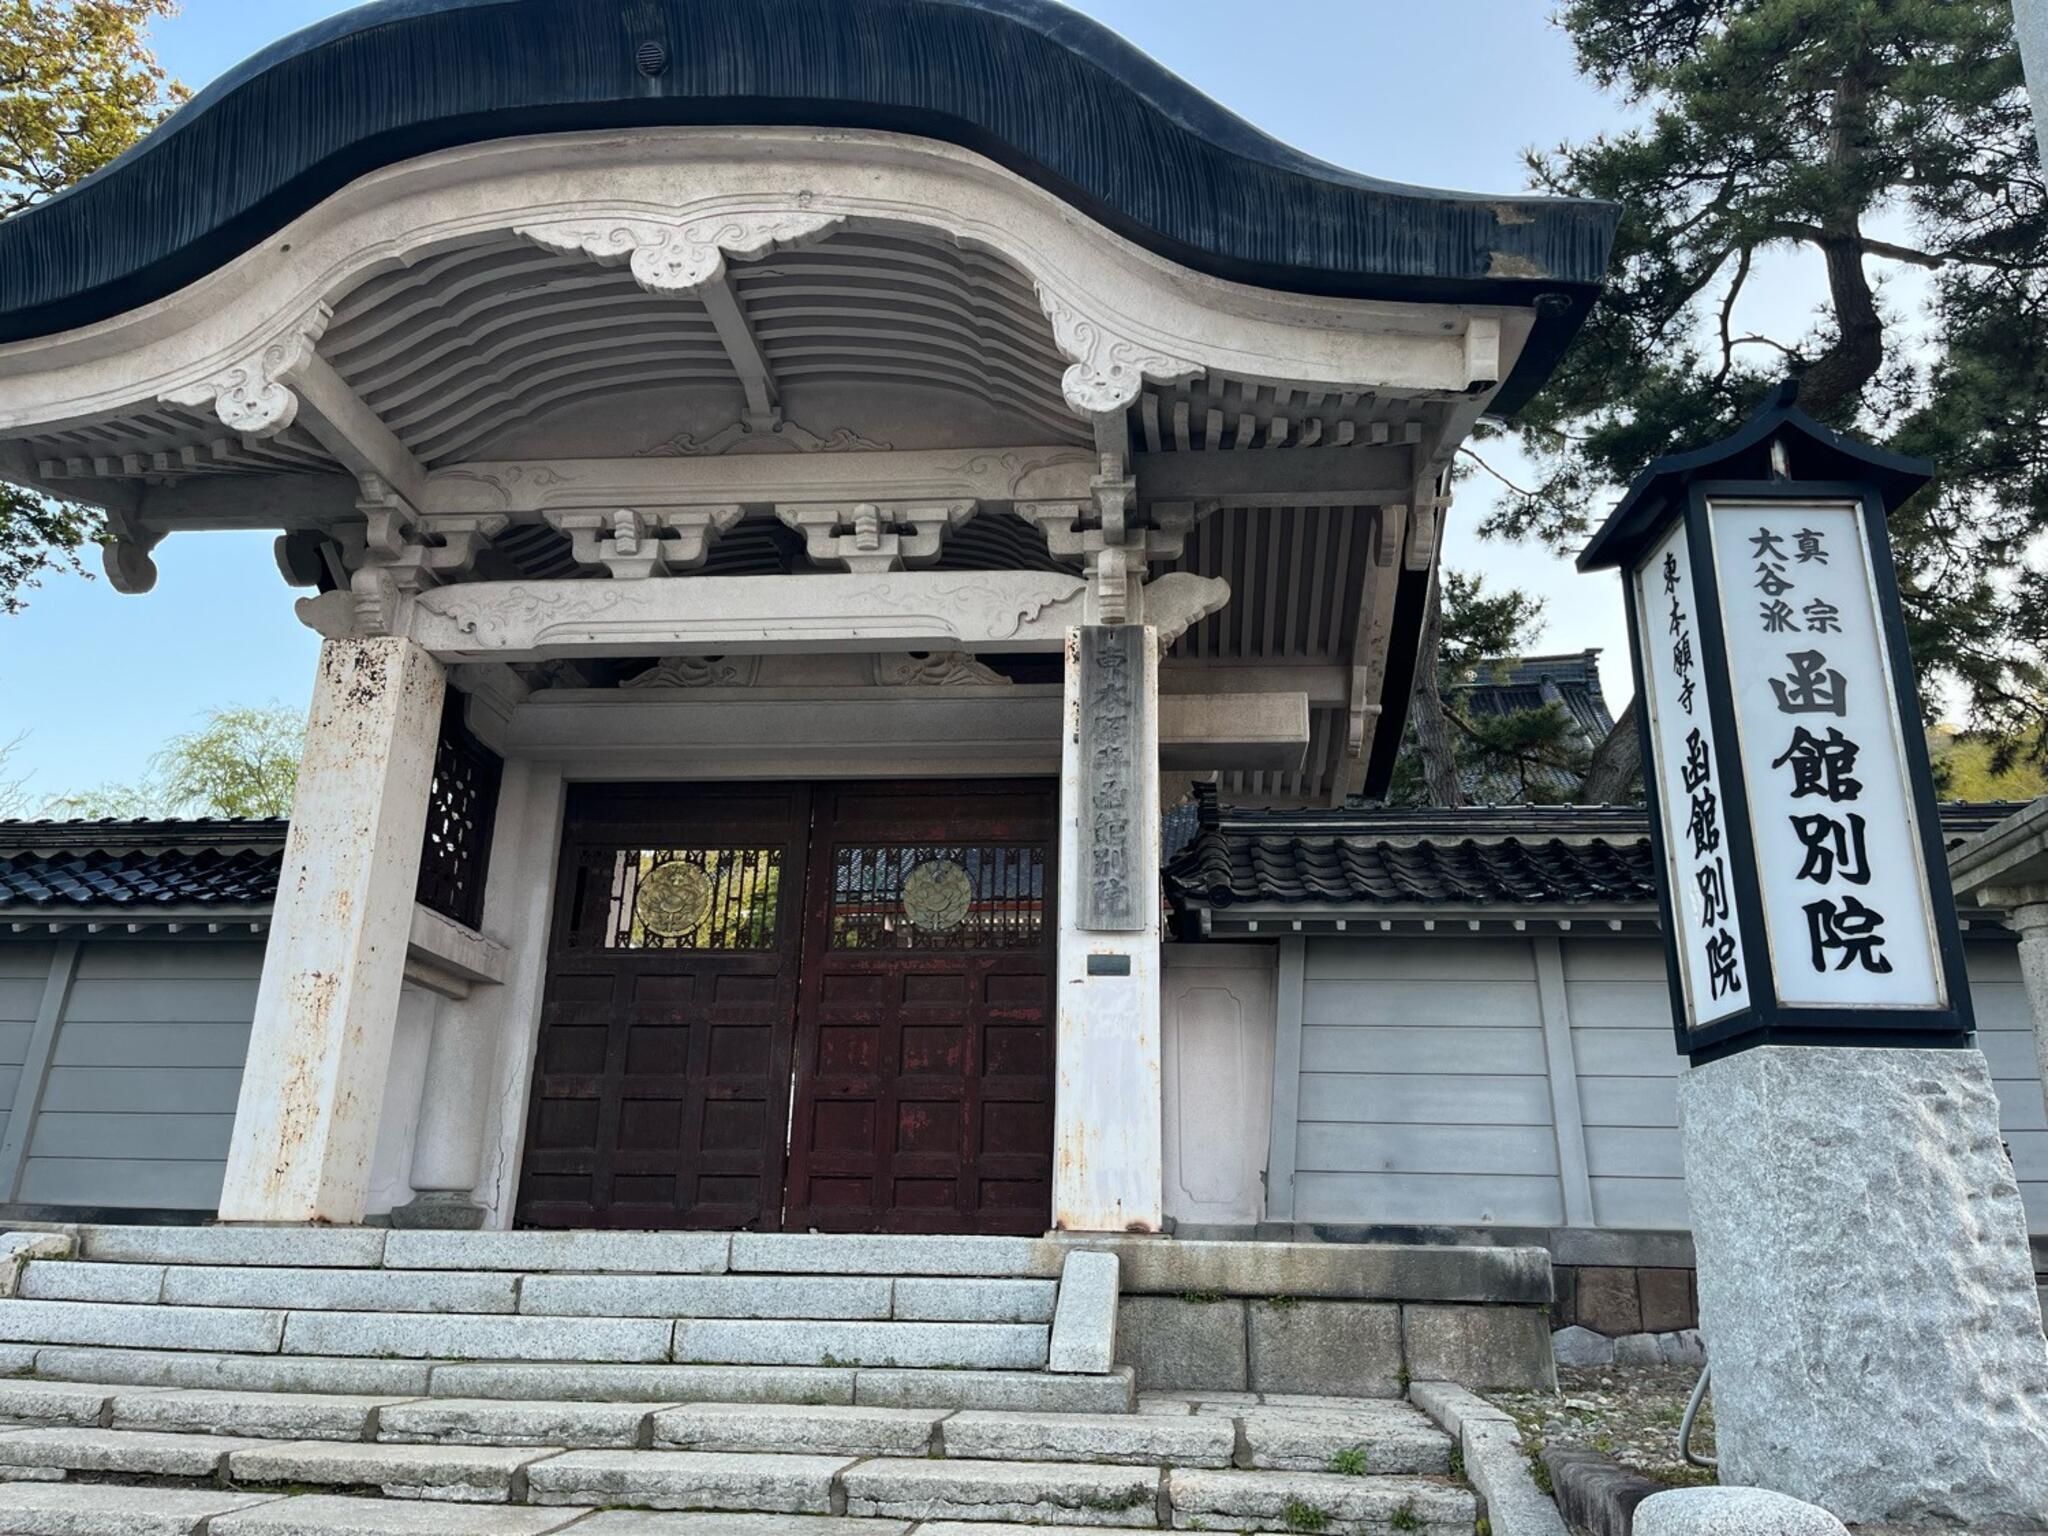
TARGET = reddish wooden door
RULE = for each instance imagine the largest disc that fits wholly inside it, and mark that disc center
(661, 1088)
(924, 1024)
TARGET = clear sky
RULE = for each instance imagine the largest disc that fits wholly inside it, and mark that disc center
(1446, 94)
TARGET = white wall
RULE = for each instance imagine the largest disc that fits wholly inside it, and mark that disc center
(1216, 1024)
(1425, 1092)
(1426, 1097)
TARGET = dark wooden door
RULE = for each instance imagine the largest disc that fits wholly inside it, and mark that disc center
(661, 1088)
(924, 1026)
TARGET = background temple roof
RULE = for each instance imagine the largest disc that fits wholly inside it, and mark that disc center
(1571, 681)
(1045, 91)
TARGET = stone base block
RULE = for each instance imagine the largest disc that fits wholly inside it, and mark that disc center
(1174, 1342)
(1338, 1348)
(438, 1212)
(1480, 1346)
(1865, 1285)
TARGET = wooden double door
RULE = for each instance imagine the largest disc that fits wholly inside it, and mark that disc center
(793, 1006)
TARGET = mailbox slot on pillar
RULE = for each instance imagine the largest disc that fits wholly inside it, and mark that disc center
(1801, 875)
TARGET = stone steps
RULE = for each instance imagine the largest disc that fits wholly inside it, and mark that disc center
(883, 1471)
(868, 1386)
(1303, 1435)
(864, 1298)
(85, 1509)
(888, 1321)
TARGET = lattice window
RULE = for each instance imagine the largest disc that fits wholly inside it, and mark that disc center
(679, 898)
(938, 896)
(463, 805)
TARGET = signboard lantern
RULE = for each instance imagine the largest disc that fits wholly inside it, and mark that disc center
(1800, 869)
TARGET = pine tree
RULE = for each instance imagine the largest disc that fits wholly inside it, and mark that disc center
(1884, 147)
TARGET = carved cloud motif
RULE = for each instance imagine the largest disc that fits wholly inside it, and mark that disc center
(680, 258)
(251, 396)
(1108, 370)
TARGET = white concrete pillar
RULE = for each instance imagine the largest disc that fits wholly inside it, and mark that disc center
(1107, 1143)
(320, 1045)
(519, 896)
(2029, 919)
(447, 1147)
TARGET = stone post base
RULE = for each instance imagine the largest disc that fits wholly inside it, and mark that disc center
(441, 1210)
(1865, 1285)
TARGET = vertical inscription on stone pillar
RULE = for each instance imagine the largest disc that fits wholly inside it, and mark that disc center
(1112, 663)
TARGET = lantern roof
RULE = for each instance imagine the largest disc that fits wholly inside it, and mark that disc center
(1047, 93)
(1812, 452)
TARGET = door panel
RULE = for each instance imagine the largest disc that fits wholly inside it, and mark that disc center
(661, 1091)
(852, 978)
(924, 1083)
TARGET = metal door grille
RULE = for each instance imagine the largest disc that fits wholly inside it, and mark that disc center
(937, 896)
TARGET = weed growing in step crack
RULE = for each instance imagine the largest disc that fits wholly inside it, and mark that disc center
(1349, 1462)
(1405, 1518)
(1301, 1515)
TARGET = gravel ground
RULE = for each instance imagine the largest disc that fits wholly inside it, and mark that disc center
(1628, 1412)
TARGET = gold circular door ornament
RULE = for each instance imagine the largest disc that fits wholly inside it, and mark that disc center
(937, 894)
(674, 899)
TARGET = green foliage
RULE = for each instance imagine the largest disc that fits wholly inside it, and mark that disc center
(1300, 1515)
(78, 85)
(242, 761)
(1477, 627)
(1971, 766)
(1349, 1462)
(1885, 147)
(1405, 1518)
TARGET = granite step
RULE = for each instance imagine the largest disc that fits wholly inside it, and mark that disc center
(1366, 1436)
(461, 1335)
(868, 1386)
(875, 1298)
(587, 1252)
(846, 1463)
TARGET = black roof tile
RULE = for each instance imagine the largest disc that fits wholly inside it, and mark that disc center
(1550, 855)
(138, 865)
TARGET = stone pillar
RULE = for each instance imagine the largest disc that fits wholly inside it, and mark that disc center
(320, 1044)
(1865, 1286)
(1106, 1112)
(2029, 919)
(447, 1147)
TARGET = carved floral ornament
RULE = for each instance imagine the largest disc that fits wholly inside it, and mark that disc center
(681, 258)
(1109, 369)
(251, 396)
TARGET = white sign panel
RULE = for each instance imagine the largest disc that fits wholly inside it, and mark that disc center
(1688, 773)
(1838, 851)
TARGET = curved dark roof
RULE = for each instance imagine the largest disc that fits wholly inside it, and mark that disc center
(1039, 88)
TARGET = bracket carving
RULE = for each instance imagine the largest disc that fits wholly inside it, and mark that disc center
(634, 545)
(680, 258)
(404, 554)
(697, 672)
(875, 536)
(1179, 600)
(1115, 551)
(253, 397)
(937, 669)
(1109, 371)
(125, 554)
